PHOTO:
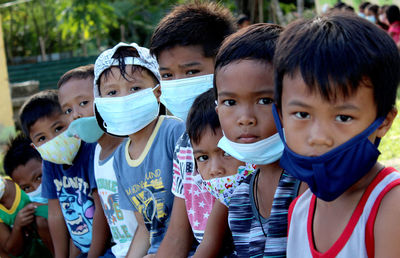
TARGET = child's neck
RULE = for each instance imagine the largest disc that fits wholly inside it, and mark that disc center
(267, 182)
(108, 144)
(140, 139)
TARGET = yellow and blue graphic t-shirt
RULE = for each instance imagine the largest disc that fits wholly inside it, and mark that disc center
(144, 184)
(73, 188)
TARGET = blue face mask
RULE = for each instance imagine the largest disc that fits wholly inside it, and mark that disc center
(178, 95)
(85, 128)
(262, 152)
(332, 173)
(371, 18)
(362, 15)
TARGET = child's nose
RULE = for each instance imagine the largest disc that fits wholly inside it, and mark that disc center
(246, 118)
(216, 169)
(319, 136)
(76, 114)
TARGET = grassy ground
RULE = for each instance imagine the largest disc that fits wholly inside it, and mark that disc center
(390, 145)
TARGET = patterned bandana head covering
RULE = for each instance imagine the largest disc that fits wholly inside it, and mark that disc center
(105, 61)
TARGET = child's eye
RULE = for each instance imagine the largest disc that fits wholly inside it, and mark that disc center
(227, 154)
(25, 188)
(42, 138)
(135, 88)
(68, 111)
(111, 92)
(39, 178)
(265, 101)
(59, 128)
(83, 103)
(343, 118)
(166, 75)
(302, 115)
(191, 72)
(229, 102)
(202, 158)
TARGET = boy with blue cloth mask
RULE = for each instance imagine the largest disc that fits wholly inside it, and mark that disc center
(126, 89)
(76, 99)
(335, 98)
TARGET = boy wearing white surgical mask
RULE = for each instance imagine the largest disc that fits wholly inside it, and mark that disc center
(126, 101)
(185, 43)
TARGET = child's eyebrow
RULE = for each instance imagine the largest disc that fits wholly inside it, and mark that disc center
(226, 94)
(298, 103)
(346, 107)
(189, 64)
(198, 151)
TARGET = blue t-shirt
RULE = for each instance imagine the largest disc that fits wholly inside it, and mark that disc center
(73, 188)
(144, 184)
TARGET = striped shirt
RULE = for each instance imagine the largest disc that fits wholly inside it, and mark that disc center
(245, 220)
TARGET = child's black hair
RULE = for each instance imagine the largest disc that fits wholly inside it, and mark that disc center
(19, 152)
(255, 42)
(203, 24)
(202, 115)
(40, 105)
(120, 54)
(335, 55)
(362, 6)
(80, 73)
(393, 14)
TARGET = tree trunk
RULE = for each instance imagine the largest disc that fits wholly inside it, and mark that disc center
(278, 12)
(260, 10)
(300, 8)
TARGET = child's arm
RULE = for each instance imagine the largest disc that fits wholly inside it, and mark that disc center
(387, 226)
(13, 241)
(217, 224)
(100, 229)
(141, 241)
(58, 229)
(179, 237)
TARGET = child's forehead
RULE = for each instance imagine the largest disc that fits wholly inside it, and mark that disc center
(181, 53)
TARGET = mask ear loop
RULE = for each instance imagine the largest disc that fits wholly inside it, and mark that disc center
(256, 201)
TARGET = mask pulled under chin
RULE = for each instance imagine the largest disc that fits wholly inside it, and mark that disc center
(262, 152)
(331, 174)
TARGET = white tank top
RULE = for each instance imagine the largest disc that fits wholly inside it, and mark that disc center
(357, 239)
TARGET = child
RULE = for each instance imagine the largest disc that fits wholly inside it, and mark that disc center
(20, 229)
(126, 99)
(24, 165)
(68, 180)
(336, 99)
(185, 43)
(259, 205)
(76, 100)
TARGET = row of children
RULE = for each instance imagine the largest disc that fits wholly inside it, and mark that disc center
(386, 17)
(222, 177)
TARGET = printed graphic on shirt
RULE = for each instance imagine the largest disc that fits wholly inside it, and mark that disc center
(112, 210)
(148, 197)
(78, 213)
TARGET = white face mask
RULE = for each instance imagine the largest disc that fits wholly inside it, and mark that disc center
(85, 128)
(262, 152)
(2, 186)
(179, 95)
(36, 196)
(128, 114)
(62, 149)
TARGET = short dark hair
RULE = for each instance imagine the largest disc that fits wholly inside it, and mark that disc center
(120, 54)
(374, 9)
(202, 115)
(362, 6)
(335, 54)
(255, 42)
(242, 18)
(19, 152)
(393, 14)
(39, 105)
(80, 73)
(204, 24)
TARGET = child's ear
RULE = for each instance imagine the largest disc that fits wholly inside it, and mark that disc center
(157, 92)
(387, 123)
